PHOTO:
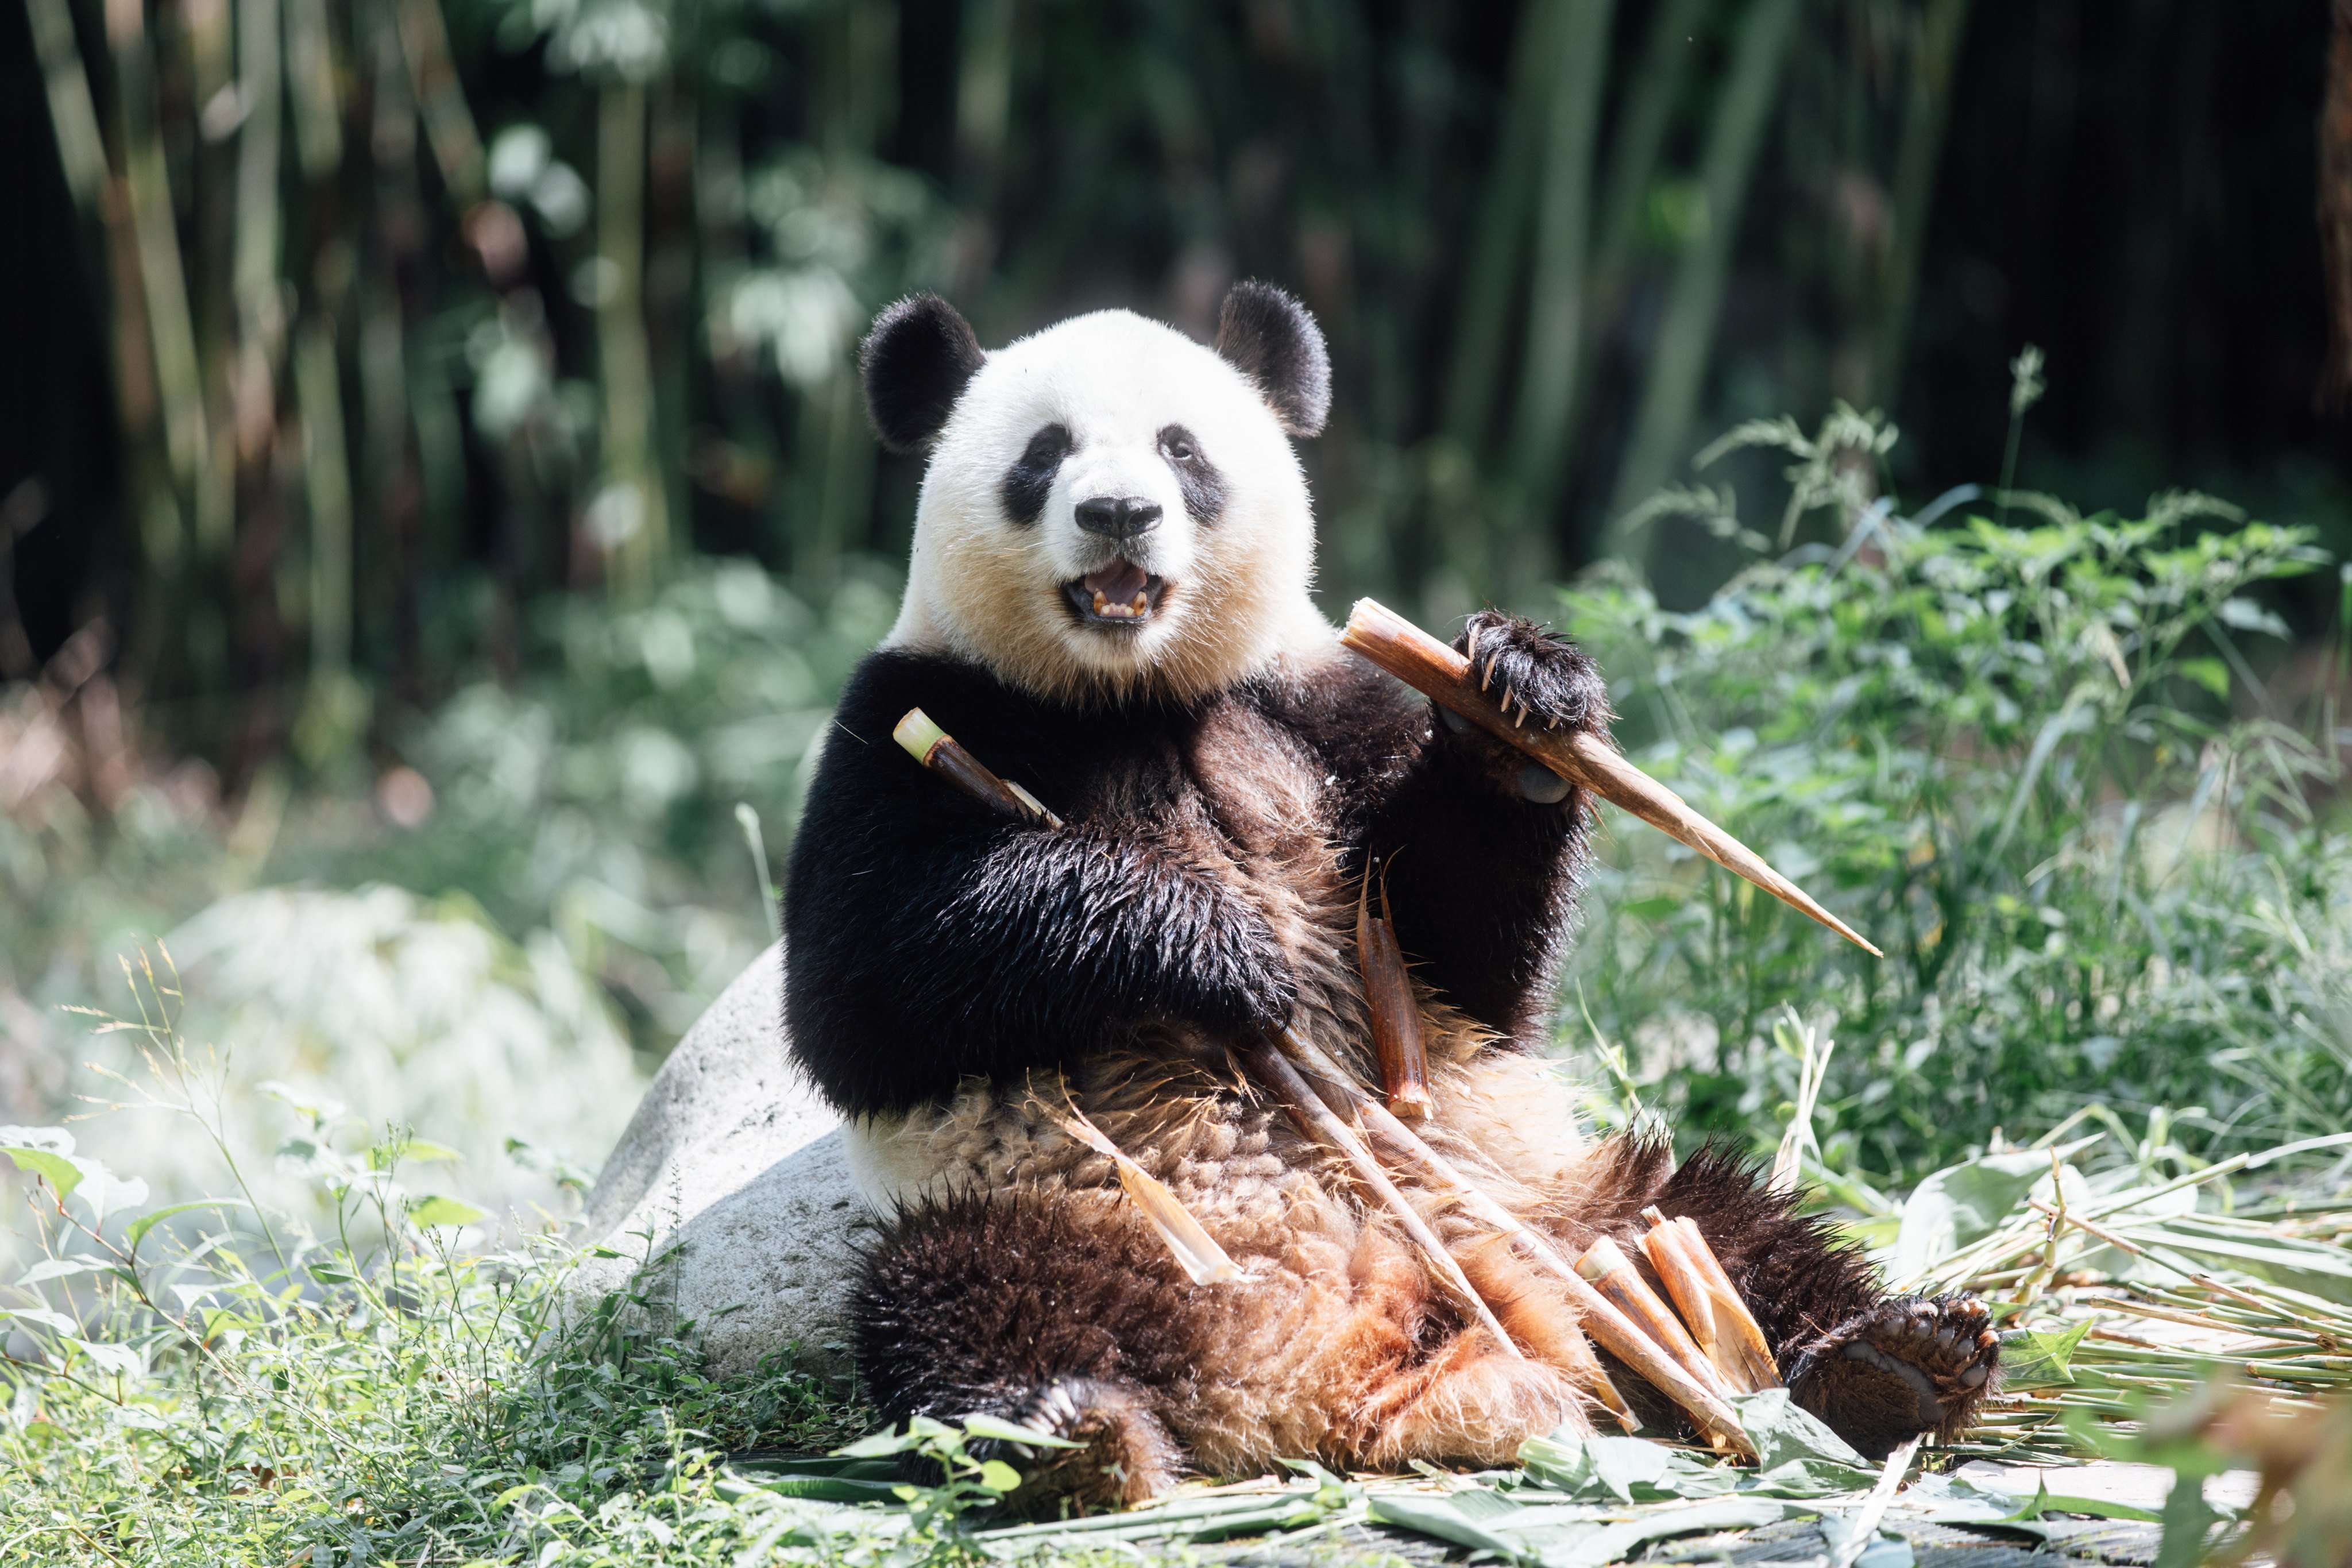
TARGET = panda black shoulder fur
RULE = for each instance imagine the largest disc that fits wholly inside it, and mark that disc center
(1109, 603)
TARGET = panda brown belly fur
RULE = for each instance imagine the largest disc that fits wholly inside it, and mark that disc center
(1017, 1280)
(1335, 1344)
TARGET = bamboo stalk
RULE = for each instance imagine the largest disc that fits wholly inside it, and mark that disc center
(1611, 1329)
(162, 278)
(632, 522)
(937, 750)
(1317, 1120)
(1428, 666)
(1498, 252)
(1556, 291)
(319, 395)
(1394, 1011)
(1710, 1304)
(1605, 1267)
(73, 113)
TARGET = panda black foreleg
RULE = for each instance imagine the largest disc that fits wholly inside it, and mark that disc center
(1487, 844)
(1063, 1315)
(1877, 1368)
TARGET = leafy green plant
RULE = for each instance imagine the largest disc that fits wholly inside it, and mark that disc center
(2006, 754)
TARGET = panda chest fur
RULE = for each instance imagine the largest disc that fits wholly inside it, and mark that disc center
(1229, 792)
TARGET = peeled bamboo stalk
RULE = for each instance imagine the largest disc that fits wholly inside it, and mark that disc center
(1709, 1303)
(1609, 1327)
(1195, 1250)
(1394, 1011)
(1610, 1272)
(937, 750)
(1430, 666)
(1318, 1121)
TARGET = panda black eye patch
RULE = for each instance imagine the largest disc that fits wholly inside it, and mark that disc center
(1202, 487)
(1029, 482)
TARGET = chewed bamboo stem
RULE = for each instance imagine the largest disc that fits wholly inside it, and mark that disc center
(1318, 1121)
(1433, 668)
(937, 750)
(1394, 1011)
(1609, 1327)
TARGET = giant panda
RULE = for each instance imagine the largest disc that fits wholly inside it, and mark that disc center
(1107, 603)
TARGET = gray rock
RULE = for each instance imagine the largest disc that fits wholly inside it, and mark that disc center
(731, 1180)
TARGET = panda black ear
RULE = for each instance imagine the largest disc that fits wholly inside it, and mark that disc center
(1272, 339)
(915, 363)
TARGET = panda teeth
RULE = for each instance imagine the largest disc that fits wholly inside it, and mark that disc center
(1102, 604)
(1140, 605)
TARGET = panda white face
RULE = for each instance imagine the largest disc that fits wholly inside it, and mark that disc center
(1109, 509)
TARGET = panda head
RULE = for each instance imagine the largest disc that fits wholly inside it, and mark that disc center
(1109, 509)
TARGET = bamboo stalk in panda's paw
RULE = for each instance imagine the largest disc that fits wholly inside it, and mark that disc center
(937, 751)
(1387, 639)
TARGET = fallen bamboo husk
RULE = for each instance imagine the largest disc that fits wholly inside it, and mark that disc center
(937, 751)
(1431, 667)
(1272, 1068)
(1710, 1304)
(1394, 1011)
(1609, 1328)
(1196, 1251)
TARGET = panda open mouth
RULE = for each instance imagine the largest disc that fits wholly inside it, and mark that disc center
(1120, 595)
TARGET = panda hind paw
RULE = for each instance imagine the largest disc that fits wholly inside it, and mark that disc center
(1125, 1455)
(1910, 1365)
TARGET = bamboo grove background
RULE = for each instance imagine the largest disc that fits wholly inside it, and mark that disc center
(345, 331)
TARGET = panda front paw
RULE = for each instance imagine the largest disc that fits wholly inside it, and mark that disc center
(1542, 680)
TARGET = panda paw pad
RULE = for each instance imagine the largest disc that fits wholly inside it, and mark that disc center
(1912, 1364)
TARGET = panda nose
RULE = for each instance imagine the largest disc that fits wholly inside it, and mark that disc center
(1118, 517)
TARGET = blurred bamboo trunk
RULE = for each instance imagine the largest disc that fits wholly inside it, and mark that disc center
(1497, 255)
(1556, 293)
(164, 290)
(1679, 358)
(628, 513)
(1935, 55)
(1637, 144)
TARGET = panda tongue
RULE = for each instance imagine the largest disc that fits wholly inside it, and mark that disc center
(1119, 581)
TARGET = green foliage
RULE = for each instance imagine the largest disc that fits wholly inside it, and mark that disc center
(2002, 753)
(597, 797)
